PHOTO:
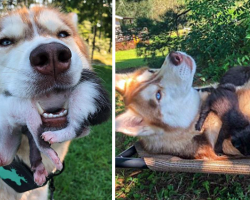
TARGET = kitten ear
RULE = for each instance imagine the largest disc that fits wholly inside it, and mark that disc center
(74, 19)
(131, 124)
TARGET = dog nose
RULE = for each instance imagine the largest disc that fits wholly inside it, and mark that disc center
(51, 59)
(176, 58)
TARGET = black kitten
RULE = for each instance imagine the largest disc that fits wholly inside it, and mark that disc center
(224, 102)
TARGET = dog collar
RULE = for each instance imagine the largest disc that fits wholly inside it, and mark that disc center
(19, 176)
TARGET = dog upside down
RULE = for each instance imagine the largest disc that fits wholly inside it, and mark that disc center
(162, 109)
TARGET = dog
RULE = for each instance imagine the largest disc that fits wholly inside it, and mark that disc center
(162, 109)
(45, 67)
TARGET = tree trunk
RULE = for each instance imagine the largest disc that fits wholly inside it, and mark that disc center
(93, 43)
(110, 45)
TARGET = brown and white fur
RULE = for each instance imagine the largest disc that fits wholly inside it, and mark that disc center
(21, 32)
(167, 124)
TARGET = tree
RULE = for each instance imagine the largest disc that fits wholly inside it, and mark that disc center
(217, 37)
(97, 12)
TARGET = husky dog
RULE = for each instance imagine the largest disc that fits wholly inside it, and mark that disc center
(46, 83)
(82, 106)
(162, 108)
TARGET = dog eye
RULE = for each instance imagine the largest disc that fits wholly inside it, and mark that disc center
(63, 34)
(158, 95)
(5, 42)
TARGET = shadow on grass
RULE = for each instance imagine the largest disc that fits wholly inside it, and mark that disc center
(88, 164)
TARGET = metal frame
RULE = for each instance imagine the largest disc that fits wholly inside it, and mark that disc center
(125, 160)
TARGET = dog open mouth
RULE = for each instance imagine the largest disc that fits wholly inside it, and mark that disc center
(56, 117)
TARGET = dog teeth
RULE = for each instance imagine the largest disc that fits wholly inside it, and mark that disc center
(39, 108)
(51, 115)
(65, 105)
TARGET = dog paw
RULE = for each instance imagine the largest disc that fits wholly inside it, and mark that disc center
(50, 137)
(40, 175)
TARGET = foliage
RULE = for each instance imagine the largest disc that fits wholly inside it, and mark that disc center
(151, 9)
(97, 12)
(218, 35)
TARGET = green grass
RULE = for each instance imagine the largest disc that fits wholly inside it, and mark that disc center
(88, 164)
(128, 58)
(149, 185)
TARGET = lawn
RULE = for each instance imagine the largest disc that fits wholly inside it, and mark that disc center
(88, 164)
(150, 185)
(127, 59)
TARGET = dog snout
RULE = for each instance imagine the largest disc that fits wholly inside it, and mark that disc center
(176, 58)
(51, 59)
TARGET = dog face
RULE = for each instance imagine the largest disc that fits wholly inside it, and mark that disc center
(158, 100)
(40, 51)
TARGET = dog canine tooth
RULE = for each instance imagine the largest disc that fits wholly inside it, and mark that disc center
(65, 105)
(39, 108)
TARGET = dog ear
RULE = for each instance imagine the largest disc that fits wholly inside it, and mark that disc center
(131, 124)
(120, 83)
(74, 19)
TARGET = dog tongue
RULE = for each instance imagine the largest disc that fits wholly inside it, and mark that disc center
(54, 122)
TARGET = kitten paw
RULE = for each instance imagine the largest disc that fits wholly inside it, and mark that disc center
(40, 174)
(50, 137)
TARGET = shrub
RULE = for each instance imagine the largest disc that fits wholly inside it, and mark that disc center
(218, 36)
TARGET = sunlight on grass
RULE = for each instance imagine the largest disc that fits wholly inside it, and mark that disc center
(128, 58)
(105, 59)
